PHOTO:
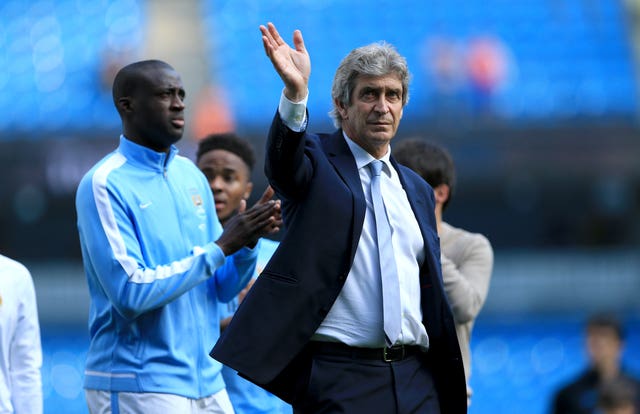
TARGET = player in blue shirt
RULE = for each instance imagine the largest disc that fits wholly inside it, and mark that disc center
(227, 161)
(157, 259)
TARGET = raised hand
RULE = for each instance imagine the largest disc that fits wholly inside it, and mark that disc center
(293, 65)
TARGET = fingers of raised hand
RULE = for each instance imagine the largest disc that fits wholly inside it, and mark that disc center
(274, 34)
(298, 41)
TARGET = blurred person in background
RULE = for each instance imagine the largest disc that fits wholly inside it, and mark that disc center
(314, 329)
(466, 257)
(604, 342)
(618, 396)
(20, 348)
(227, 161)
(157, 259)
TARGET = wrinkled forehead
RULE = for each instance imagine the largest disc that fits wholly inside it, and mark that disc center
(389, 81)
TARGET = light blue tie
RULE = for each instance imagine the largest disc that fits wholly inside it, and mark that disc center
(388, 268)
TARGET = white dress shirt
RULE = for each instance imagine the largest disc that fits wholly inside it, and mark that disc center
(20, 349)
(356, 316)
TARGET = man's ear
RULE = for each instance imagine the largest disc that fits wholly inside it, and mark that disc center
(342, 110)
(441, 193)
(125, 104)
(248, 190)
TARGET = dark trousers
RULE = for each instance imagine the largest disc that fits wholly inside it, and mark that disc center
(339, 383)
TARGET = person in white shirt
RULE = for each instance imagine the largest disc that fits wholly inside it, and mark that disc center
(20, 349)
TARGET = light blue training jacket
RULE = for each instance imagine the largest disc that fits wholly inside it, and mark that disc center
(245, 396)
(147, 226)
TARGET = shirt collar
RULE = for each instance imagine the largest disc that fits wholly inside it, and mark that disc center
(363, 158)
(145, 156)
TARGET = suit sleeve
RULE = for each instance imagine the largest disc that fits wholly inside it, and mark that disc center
(287, 166)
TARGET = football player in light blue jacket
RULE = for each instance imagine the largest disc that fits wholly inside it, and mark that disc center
(157, 259)
(227, 161)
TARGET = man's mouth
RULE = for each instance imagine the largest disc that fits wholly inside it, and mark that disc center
(379, 125)
(178, 123)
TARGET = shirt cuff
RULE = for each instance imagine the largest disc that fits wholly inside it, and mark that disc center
(213, 253)
(293, 114)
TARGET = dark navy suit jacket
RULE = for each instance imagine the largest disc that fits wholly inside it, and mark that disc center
(323, 209)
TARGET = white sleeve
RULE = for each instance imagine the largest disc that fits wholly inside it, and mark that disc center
(293, 114)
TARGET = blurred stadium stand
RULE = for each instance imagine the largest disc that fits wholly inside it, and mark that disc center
(537, 101)
(55, 55)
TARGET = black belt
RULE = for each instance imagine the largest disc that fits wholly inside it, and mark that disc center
(392, 354)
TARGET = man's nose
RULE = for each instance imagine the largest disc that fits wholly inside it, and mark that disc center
(217, 183)
(381, 105)
(178, 103)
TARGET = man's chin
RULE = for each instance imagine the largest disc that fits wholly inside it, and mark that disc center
(381, 136)
(177, 134)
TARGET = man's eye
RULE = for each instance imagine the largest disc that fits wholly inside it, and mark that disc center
(368, 95)
(394, 96)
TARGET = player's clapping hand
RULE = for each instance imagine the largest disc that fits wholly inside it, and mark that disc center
(246, 227)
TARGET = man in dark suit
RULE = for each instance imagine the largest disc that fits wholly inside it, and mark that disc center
(350, 314)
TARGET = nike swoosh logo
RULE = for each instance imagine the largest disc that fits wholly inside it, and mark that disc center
(145, 205)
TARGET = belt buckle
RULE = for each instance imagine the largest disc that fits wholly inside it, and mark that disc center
(388, 357)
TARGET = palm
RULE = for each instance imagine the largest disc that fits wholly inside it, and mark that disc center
(293, 65)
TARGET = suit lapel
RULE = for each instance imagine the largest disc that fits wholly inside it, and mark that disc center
(340, 156)
(420, 206)
(416, 200)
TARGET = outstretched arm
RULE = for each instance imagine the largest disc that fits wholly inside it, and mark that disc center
(292, 65)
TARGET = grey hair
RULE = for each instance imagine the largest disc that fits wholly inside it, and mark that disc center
(375, 59)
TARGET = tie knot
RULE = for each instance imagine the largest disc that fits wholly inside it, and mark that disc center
(376, 167)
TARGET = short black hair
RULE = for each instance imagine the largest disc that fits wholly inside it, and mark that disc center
(228, 141)
(429, 160)
(609, 321)
(128, 78)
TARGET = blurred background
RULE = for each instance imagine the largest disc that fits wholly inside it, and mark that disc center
(537, 101)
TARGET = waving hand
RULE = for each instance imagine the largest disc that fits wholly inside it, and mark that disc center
(293, 65)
